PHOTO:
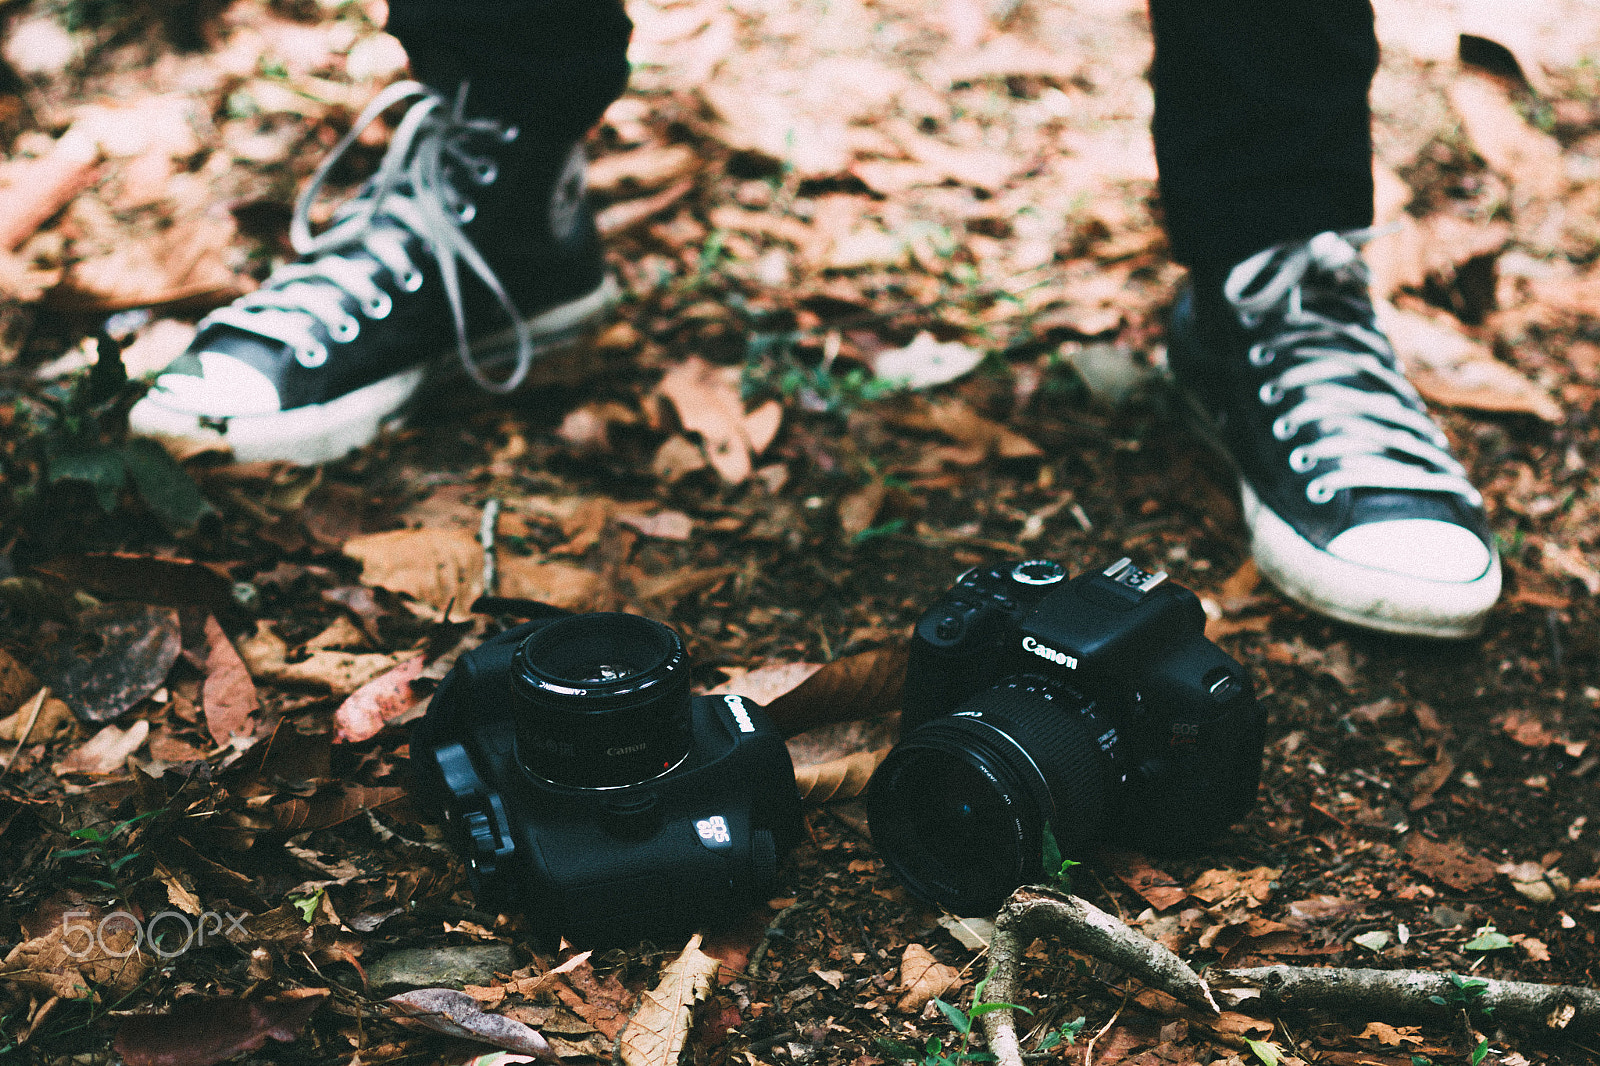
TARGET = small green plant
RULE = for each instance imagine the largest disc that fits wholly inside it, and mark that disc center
(1265, 1050)
(773, 366)
(1479, 1052)
(934, 1053)
(307, 905)
(1464, 992)
(1057, 868)
(77, 432)
(882, 529)
(1487, 938)
(98, 849)
(1067, 1034)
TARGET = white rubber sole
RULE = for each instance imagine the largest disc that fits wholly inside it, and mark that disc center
(1363, 595)
(321, 433)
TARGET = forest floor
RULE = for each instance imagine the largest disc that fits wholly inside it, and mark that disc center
(895, 291)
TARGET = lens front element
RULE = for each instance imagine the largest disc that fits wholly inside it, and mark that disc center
(958, 808)
(605, 700)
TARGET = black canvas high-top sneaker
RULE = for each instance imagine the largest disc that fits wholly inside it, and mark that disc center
(1356, 507)
(472, 245)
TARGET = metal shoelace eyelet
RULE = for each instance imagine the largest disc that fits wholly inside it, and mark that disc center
(1317, 492)
(1270, 393)
(379, 306)
(1283, 429)
(311, 358)
(510, 134)
(467, 212)
(346, 330)
(411, 280)
(484, 171)
(1261, 356)
(1299, 461)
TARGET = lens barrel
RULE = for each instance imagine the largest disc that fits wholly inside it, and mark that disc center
(605, 700)
(958, 808)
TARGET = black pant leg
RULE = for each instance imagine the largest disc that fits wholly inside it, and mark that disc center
(551, 66)
(1262, 126)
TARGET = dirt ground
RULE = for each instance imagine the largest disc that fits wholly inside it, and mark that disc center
(732, 455)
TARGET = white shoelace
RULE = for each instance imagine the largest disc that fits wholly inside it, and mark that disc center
(412, 189)
(1380, 439)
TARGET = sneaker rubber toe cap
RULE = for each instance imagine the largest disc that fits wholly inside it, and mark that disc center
(1423, 549)
(226, 387)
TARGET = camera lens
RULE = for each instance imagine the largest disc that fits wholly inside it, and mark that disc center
(958, 808)
(605, 700)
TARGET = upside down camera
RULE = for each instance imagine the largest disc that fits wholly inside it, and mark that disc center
(590, 791)
(1095, 707)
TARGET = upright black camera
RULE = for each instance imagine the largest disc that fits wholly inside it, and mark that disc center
(1094, 706)
(589, 790)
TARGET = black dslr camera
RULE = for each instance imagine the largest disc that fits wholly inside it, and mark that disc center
(1095, 706)
(589, 790)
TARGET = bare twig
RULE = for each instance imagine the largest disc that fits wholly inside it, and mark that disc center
(1077, 924)
(491, 573)
(1520, 1003)
(1037, 911)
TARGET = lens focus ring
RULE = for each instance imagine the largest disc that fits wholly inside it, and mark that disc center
(1066, 743)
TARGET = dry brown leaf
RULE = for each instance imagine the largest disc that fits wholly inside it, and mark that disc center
(766, 683)
(957, 420)
(332, 806)
(17, 683)
(926, 362)
(706, 398)
(1157, 887)
(265, 653)
(200, 1030)
(369, 708)
(439, 567)
(666, 525)
(923, 977)
(1435, 247)
(444, 1010)
(1450, 368)
(559, 584)
(854, 687)
(656, 1034)
(76, 952)
(621, 217)
(184, 262)
(859, 509)
(32, 190)
(667, 589)
(837, 779)
(604, 1004)
(647, 168)
(1529, 159)
(1447, 862)
(677, 458)
(228, 696)
(1431, 779)
(107, 751)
